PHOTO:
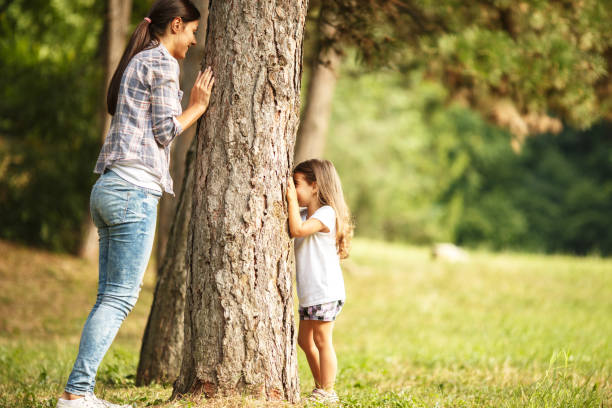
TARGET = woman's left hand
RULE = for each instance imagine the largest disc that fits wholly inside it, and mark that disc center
(200, 93)
(198, 101)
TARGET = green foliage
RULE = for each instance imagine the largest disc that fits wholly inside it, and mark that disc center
(555, 196)
(49, 124)
(547, 58)
(417, 170)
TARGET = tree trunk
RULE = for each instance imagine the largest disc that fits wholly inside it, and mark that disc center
(116, 27)
(162, 344)
(324, 74)
(239, 325)
(189, 71)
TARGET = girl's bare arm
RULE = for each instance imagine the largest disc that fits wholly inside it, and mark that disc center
(297, 227)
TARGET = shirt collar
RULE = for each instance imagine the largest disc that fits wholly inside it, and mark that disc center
(165, 51)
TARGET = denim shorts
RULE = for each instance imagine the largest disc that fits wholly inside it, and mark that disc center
(325, 312)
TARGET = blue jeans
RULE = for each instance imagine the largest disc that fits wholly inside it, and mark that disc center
(125, 216)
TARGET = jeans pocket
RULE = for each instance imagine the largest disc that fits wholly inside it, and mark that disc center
(108, 206)
(141, 205)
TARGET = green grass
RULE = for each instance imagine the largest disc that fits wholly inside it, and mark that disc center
(501, 330)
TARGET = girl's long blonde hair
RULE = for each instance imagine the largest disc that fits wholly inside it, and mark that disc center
(330, 193)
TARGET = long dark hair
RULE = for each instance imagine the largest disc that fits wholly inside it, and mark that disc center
(147, 35)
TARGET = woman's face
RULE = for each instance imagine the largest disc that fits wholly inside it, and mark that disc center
(185, 37)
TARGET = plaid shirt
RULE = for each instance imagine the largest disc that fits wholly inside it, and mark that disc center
(144, 123)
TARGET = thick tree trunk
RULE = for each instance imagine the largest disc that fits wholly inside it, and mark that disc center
(113, 41)
(324, 74)
(189, 71)
(239, 325)
(162, 344)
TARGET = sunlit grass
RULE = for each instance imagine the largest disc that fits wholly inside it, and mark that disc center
(501, 330)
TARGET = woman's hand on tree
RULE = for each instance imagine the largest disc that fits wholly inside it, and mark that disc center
(202, 87)
(198, 100)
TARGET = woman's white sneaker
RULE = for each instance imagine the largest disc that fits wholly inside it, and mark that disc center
(88, 401)
(111, 405)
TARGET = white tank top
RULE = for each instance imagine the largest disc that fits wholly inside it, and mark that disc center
(138, 174)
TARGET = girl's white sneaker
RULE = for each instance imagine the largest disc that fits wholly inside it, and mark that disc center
(324, 397)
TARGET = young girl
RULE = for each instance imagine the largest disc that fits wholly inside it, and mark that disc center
(322, 232)
(145, 101)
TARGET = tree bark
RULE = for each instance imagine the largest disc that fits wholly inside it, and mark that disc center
(162, 345)
(189, 71)
(239, 325)
(324, 74)
(116, 27)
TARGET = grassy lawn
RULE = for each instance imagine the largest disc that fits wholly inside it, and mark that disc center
(501, 330)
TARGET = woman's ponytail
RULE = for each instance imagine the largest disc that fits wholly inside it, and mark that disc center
(146, 36)
(139, 40)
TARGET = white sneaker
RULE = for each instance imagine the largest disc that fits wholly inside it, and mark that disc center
(111, 405)
(88, 401)
(324, 397)
(313, 395)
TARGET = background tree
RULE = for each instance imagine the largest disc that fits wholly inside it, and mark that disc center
(324, 71)
(113, 40)
(239, 327)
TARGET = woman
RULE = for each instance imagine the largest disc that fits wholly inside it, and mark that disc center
(144, 99)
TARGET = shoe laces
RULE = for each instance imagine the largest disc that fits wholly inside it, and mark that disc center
(319, 394)
(104, 403)
(91, 401)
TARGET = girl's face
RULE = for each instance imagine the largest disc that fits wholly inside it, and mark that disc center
(185, 37)
(306, 192)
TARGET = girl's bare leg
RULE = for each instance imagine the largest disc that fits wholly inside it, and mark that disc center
(307, 344)
(328, 363)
